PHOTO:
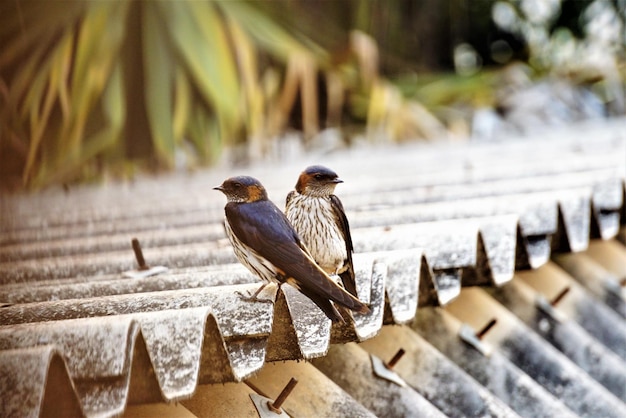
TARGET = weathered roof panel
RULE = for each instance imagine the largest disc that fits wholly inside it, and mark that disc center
(429, 223)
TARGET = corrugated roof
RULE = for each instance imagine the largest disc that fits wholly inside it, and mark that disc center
(468, 226)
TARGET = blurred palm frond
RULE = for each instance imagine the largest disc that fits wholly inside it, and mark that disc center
(93, 84)
(90, 88)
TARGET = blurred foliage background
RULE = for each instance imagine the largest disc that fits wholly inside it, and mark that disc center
(98, 89)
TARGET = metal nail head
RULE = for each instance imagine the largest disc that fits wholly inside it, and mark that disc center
(275, 406)
(395, 359)
(139, 255)
(480, 334)
(560, 296)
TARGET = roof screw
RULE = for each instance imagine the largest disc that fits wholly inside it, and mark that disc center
(275, 406)
(395, 359)
(558, 297)
(480, 334)
(139, 255)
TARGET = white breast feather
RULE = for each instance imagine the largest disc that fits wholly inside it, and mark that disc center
(258, 265)
(318, 230)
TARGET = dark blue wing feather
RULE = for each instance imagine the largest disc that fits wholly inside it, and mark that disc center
(347, 276)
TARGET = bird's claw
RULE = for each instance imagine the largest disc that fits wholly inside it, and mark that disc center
(253, 298)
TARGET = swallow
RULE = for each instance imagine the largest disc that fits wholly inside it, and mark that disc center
(267, 244)
(318, 217)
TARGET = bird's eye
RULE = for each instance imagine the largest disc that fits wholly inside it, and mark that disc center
(237, 185)
(318, 176)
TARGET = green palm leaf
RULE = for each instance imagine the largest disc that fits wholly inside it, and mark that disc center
(88, 84)
(158, 85)
(200, 39)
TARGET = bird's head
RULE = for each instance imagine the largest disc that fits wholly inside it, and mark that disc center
(242, 189)
(317, 180)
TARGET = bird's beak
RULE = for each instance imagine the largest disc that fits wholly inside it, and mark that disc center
(337, 180)
(220, 188)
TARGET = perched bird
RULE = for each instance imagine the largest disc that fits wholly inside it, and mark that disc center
(318, 217)
(265, 242)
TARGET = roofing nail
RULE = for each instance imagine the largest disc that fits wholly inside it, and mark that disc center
(139, 255)
(558, 297)
(395, 359)
(473, 338)
(382, 369)
(275, 406)
(480, 334)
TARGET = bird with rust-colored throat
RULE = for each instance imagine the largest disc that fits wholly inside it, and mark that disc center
(267, 244)
(318, 217)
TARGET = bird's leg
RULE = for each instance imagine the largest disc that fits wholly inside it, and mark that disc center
(337, 279)
(254, 297)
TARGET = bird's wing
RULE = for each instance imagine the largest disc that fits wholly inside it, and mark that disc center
(347, 276)
(266, 230)
(290, 196)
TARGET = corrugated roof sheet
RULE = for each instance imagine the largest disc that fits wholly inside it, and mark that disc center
(468, 226)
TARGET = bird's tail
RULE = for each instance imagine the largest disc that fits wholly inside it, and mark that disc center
(348, 280)
(340, 296)
(321, 286)
(324, 304)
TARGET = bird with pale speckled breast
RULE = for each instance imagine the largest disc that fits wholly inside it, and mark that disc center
(318, 216)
